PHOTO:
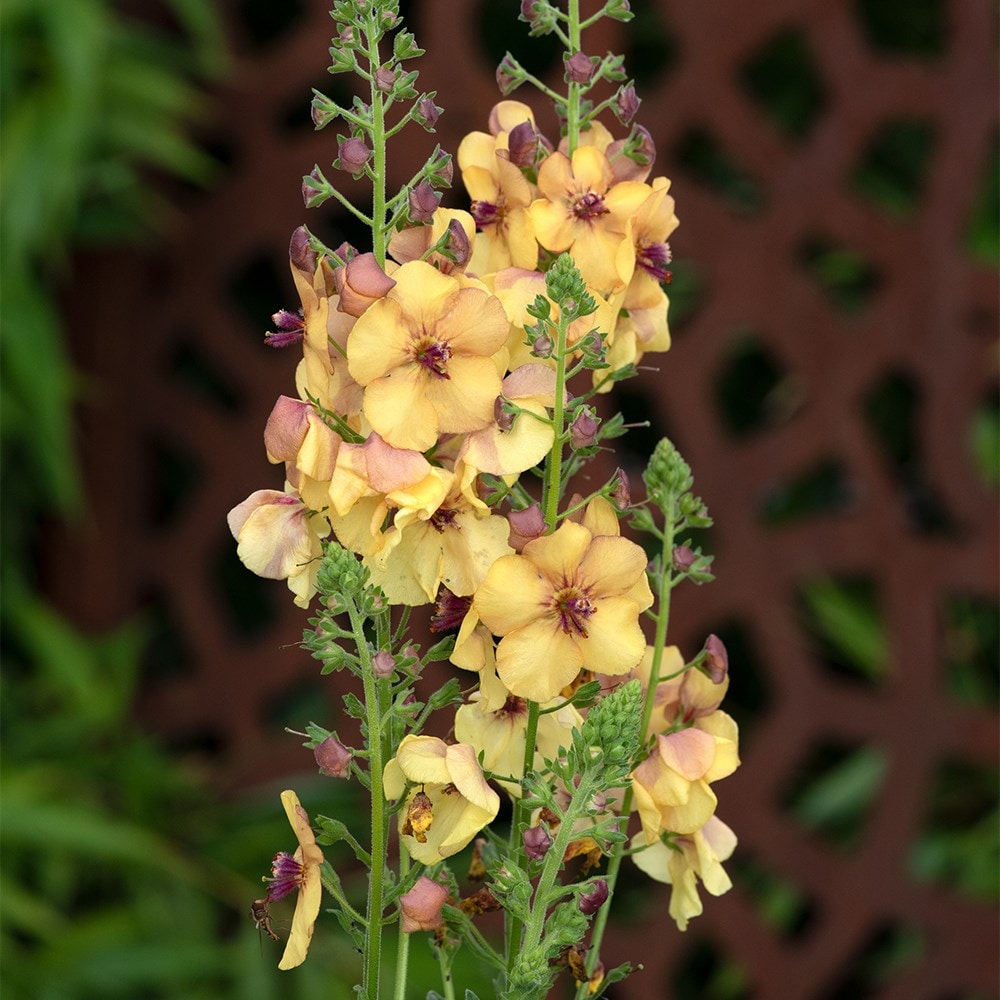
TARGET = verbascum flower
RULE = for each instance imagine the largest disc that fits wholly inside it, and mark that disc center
(570, 600)
(671, 787)
(499, 734)
(298, 871)
(413, 243)
(279, 538)
(424, 355)
(420, 908)
(450, 802)
(686, 859)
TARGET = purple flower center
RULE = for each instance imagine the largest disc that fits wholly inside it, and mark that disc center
(654, 258)
(444, 517)
(485, 213)
(434, 355)
(450, 611)
(286, 874)
(512, 706)
(574, 608)
(589, 206)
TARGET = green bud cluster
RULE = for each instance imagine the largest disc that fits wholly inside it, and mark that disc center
(613, 725)
(341, 575)
(565, 286)
(667, 474)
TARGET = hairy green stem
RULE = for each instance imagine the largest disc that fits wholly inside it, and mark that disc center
(403, 949)
(373, 32)
(553, 463)
(573, 97)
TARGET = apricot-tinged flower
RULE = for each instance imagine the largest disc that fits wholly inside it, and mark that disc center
(296, 435)
(279, 538)
(581, 210)
(570, 600)
(360, 283)
(424, 357)
(298, 871)
(671, 786)
(450, 802)
(680, 864)
(420, 908)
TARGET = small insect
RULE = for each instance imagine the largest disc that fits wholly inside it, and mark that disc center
(260, 911)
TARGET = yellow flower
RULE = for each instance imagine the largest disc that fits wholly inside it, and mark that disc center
(671, 787)
(699, 854)
(450, 802)
(581, 210)
(298, 871)
(279, 538)
(500, 734)
(570, 600)
(424, 355)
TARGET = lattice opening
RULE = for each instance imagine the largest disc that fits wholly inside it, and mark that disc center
(983, 231)
(750, 691)
(191, 368)
(984, 439)
(701, 155)
(265, 23)
(843, 619)
(688, 292)
(652, 49)
(249, 604)
(892, 411)
(889, 950)
(779, 902)
(172, 480)
(823, 488)
(848, 280)
(753, 389)
(705, 973)
(957, 844)
(781, 78)
(498, 33)
(307, 700)
(256, 288)
(905, 27)
(894, 168)
(831, 791)
(166, 655)
(971, 641)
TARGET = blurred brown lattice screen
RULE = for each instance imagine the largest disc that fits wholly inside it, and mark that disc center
(834, 367)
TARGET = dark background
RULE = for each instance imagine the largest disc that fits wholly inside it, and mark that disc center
(832, 383)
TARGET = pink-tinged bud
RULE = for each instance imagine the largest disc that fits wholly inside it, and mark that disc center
(525, 525)
(352, 155)
(683, 558)
(333, 758)
(543, 346)
(420, 908)
(346, 35)
(716, 659)
(503, 417)
(595, 897)
(580, 68)
(639, 155)
(383, 664)
(626, 104)
(428, 113)
(301, 253)
(289, 329)
(315, 189)
(509, 76)
(536, 842)
(599, 802)
(322, 111)
(522, 145)
(361, 283)
(423, 202)
(622, 495)
(385, 79)
(528, 12)
(583, 430)
(458, 243)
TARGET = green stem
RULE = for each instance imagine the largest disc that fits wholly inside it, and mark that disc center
(376, 882)
(373, 33)
(659, 642)
(403, 950)
(447, 980)
(519, 821)
(553, 465)
(573, 97)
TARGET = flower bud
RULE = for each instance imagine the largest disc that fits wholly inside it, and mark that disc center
(428, 113)
(543, 346)
(716, 659)
(595, 897)
(423, 201)
(522, 145)
(622, 495)
(683, 558)
(583, 430)
(626, 104)
(528, 12)
(458, 243)
(385, 79)
(315, 189)
(360, 283)
(383, 664)
(333, 758)
(580, 68)
(509, 75)
(525, 525)
(420, 908)
(301, 253)
(503, 417)
(536, 842)
(352, 155)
